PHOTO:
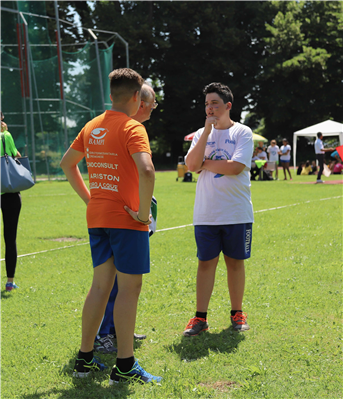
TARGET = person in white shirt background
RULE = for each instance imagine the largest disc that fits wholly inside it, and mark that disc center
(273, 151)
(285, 157)
(261, 153)
(320, 152)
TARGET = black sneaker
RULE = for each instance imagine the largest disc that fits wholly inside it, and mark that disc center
(195, 326)
(136, 374)
(83, 369)
(239, 321)
(105, 345)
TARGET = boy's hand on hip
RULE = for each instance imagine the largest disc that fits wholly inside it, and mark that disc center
(135, 216)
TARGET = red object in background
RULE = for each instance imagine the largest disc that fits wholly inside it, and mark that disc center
(340, 151)
(189, 137)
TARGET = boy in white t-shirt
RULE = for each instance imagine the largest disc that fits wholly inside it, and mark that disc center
(223, 214)
(261, 154)
(273, 151)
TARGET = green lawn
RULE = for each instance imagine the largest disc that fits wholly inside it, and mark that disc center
(293, 300)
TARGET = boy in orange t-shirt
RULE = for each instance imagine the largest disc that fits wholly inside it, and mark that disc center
(121, 182)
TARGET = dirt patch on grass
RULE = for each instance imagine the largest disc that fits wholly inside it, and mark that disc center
(221, 386)
(65, 239)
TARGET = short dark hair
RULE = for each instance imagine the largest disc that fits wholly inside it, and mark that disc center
(223, 91)
(319, 134)
(2, 115)
(260, 148)
(124, 82)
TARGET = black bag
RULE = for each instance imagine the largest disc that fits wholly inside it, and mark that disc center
(188, 177)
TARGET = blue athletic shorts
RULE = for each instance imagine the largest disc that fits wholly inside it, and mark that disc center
(130, 249)
(233, 240)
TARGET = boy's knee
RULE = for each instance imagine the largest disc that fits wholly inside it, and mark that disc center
(234, 264)
(103, 287)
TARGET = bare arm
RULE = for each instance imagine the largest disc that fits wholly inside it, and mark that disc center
(223, 167)
(146, 173)
(196, 155)
(69, 166)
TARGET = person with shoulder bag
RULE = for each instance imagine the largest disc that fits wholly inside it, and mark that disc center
(10, 207)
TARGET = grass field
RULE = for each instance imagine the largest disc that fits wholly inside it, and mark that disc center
(293, 300)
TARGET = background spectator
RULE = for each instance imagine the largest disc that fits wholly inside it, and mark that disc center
(306, 169)
(285, 158)
(10, 207)
(314, 168)
(336, 156)
(273, 151)
(300, 168)
(337, 170)
(261, 153)
(320, 152)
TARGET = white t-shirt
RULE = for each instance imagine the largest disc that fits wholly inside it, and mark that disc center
(284, 149)
(262, 155)
(273, 153)
(222, 199)
(318, 146)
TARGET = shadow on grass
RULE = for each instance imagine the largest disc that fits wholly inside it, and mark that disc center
(95, 385)
(6, 294)
(193, 348)
(85, 389)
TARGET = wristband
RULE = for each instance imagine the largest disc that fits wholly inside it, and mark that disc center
(142, 221)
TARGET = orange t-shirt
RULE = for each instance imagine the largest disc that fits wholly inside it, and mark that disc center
(108, 141)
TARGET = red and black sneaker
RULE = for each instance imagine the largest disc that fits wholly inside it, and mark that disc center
(195, 326)
(239, 321)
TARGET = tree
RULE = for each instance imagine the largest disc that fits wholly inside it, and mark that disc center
(186, 45)
(300, 81)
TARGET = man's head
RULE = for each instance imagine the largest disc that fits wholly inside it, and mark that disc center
(219, 99)
(2, 116)
(273, 143)
(284, 141)
(320, 135)
(147, 104)
(125, 85)
(259, 149)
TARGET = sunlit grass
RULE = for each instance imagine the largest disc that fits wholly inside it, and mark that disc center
(293, 300)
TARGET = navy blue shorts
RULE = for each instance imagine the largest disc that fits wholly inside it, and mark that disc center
(234, 240)
(130, 249)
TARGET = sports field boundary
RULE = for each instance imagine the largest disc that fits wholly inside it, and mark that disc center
(179, 227)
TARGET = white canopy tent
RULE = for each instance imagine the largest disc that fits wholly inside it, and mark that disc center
(327, 128)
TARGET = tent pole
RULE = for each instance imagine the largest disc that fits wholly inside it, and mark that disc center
(294, 151)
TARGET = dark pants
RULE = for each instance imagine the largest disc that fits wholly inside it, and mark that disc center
(10, 207)
(107, 325)
(320, 159)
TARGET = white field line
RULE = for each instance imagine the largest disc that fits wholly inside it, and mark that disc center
(180, 227)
